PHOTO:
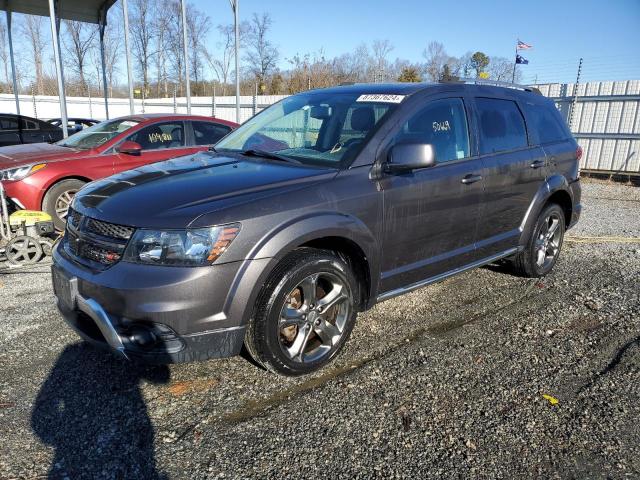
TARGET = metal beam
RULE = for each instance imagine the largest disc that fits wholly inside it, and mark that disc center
(102, 25)
(13, 62)
(185, 46)
(56, 53)
(236, 26)
(125, 11)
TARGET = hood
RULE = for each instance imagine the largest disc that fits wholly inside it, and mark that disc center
(18, 155)
(174, 193)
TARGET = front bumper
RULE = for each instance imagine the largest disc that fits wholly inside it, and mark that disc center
(155, 314)
(26, 194)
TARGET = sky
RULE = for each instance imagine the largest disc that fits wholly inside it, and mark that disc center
(605, 33)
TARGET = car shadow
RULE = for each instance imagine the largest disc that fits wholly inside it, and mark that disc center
(90, 409)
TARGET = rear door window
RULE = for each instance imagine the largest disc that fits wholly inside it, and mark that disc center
(546, 122)
(208, 133)
(160, 135)
(9, 123)
(443, 124)
(502, 126)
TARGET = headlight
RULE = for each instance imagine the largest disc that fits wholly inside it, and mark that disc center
(14, 174)
(194, 247)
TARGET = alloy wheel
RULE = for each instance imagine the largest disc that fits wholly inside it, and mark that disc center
(548, 241)
(63, 202)
(314, 316)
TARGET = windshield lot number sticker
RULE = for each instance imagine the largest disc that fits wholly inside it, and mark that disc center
(380, 97)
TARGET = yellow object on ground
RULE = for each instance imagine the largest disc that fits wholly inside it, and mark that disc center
(29, 217)
(550, 399)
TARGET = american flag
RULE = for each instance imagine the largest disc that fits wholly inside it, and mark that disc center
(523, 46)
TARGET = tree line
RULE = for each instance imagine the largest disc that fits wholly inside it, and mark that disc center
(158, 60)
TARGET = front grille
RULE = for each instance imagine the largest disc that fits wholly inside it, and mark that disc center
(93, 241)
(109, 229)
(73, 218)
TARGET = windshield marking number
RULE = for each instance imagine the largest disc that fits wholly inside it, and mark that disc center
(380, 97)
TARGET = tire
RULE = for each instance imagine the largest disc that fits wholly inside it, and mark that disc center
(312, 334)
(58, 197)
(543, 247)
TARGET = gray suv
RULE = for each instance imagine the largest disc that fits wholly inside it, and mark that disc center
(315, 209)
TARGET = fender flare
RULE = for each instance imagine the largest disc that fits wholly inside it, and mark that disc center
(551, 185)
(283, 239)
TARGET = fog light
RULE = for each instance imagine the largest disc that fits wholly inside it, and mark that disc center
(141, 337)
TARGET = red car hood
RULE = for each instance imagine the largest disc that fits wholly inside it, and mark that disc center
(18, 155)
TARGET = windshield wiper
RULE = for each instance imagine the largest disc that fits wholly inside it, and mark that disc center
(252, 152)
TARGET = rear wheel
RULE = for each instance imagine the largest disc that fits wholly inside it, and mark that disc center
(543, 248)
(305, 313)
(58, 200)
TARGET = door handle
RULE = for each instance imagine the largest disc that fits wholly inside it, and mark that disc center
(471, 178)
(537, 164)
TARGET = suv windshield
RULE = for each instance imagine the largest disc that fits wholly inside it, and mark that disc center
(98, 134)
(318, 128)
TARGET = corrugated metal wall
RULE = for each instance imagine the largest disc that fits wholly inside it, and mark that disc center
(605, 121)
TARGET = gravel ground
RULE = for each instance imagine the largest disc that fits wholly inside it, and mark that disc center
(447, 381)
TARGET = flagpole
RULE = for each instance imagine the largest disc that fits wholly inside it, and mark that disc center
(515, 62)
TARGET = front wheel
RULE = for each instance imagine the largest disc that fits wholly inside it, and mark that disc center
(543, 248)
(58, 200)
(304, 314)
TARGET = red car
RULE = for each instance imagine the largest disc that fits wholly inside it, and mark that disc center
(46, 176)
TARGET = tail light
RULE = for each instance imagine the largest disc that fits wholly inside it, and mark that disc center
(578, 153)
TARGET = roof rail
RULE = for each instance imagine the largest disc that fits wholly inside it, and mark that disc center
(496, 83)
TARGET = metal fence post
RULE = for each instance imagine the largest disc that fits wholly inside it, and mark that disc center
(33, 99)
(575, 95)
(175, 101)
(213, 101)
(255, 99)
(90, 107)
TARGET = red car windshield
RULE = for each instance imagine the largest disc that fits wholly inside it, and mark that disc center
(98, 134)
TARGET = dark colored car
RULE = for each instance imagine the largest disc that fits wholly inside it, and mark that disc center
(74, 124)
(46, 177)
(18, 129)
(313, 210)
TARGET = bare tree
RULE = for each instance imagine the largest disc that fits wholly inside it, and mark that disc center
(261, 55)
(174, 43)
(161, 27)
(79, 42)
(112, 49)
(142, 31)
(436, 58)
(222, 65)
(381, 50)
(501, 68)
(4, 55)
(33, 33)
(198, 25)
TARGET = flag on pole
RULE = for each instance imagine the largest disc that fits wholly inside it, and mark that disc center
(523, 46)
(521, 60)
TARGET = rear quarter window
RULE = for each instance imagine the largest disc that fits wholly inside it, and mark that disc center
(208, 133)
(545, 123)
(502, 126)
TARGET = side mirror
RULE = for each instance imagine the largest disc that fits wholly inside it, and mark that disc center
(410, 156)
(130, 148)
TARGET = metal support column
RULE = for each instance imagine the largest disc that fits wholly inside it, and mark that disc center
(13, 62)
(185, 46)
(59, 74)
(127, 52)
(103, 24)
(234, 7)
